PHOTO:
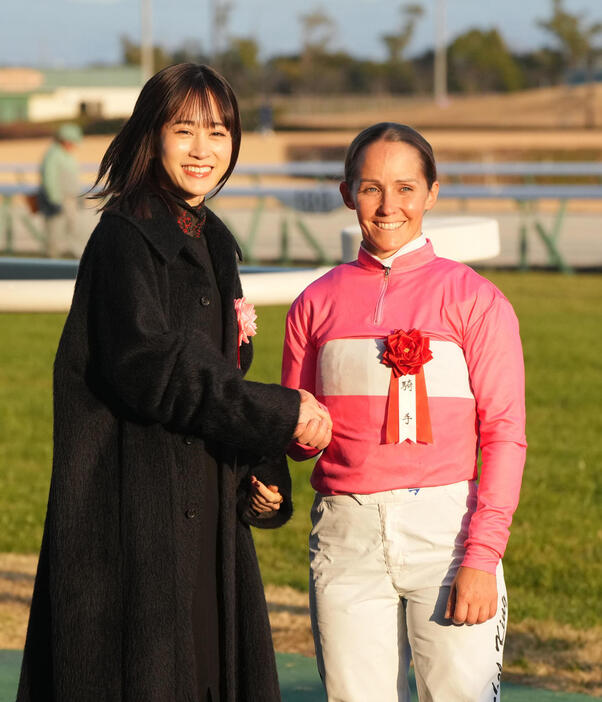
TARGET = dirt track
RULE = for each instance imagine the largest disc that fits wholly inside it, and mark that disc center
(277, 147)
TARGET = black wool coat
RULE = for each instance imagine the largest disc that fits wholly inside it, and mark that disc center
(140, 393)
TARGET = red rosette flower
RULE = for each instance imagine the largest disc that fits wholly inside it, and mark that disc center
(406, 352)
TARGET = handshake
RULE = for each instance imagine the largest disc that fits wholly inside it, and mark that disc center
(314, 426)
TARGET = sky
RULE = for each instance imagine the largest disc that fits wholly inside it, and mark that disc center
(72, 33)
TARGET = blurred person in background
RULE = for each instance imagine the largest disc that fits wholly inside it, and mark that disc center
(59, 192)
(418, 360)
(148, 586)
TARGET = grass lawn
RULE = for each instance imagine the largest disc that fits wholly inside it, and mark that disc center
(554, 560)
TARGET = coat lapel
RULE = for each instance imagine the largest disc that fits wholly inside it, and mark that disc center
(161, 230)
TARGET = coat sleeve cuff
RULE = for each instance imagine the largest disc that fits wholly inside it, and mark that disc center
(301, 452)
(275, 520)
(270, 472)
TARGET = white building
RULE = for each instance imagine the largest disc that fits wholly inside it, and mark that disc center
(30, 95)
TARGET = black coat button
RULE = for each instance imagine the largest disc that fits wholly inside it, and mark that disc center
(205, 301)
(190, 513)
(188, 440)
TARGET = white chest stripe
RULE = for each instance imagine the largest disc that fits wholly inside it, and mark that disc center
(353, 367)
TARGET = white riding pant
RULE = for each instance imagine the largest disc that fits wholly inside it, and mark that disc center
(63, 235)
(380, 570)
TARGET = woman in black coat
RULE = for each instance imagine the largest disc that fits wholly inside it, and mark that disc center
(148, 588)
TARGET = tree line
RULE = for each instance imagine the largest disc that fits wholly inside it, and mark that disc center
(477, 60)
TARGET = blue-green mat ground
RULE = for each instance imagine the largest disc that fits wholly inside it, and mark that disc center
(299, 682)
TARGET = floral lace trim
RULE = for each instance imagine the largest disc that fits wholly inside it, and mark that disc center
(191, 225)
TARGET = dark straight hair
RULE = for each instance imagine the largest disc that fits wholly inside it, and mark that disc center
(390, 131)
(129, 169)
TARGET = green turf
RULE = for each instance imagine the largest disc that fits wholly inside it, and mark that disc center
(26, 356)
(554, 560)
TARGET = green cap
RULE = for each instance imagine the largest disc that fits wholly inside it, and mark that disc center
(69, 132)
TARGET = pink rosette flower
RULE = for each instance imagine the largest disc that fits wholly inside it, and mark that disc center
(245, 313)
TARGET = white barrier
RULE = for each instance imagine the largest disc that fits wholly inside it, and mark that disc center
(278, 288)
(56, 295)
(458, 238)
(36, 295)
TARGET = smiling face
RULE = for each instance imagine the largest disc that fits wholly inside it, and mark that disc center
(390, 195)
(195, 154)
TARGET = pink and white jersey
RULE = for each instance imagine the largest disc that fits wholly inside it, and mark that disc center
(474, 383)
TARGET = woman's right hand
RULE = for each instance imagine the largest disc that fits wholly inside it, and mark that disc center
(314, 426)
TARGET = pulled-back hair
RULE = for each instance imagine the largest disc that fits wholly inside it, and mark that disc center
(128, 170)
(390, 131)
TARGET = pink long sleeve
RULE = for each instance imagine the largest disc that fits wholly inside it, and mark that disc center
(495, 364)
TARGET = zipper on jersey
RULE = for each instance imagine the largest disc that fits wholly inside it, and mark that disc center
(378, 313)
